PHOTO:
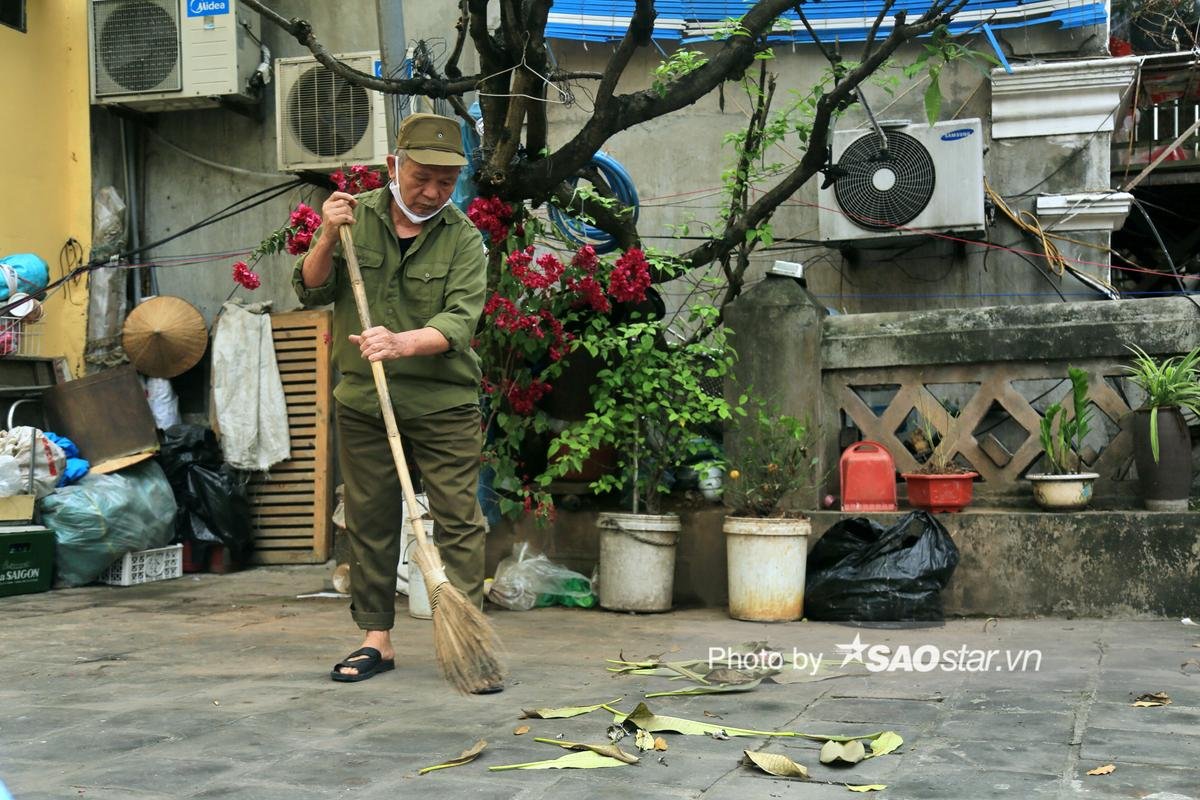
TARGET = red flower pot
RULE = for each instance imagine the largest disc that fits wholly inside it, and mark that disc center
(940, 493)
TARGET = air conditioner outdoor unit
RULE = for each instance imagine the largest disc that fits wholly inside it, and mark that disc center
(165, 55)
(929, 178)
(322, 121)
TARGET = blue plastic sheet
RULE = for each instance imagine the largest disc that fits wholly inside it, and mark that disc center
(22, 272)
(76, 466)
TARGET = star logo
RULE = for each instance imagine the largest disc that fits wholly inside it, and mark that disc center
(853, 651)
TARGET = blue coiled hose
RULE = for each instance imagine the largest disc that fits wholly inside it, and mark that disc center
(580, 233)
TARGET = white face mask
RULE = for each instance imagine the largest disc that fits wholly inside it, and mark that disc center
(413, 217)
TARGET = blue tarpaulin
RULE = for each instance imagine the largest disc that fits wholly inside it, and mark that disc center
(840, 20)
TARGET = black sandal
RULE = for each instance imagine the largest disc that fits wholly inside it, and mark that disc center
(371, 664)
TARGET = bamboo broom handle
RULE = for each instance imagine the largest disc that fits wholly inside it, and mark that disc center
(385, 402)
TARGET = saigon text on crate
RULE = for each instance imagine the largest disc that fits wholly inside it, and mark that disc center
(144, 566)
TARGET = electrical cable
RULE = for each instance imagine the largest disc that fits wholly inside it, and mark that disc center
(1166, 253)
(225, 213)
(214, 164)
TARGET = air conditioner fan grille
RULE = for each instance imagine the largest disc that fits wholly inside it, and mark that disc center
(137, 42)
(327, 115)
(880, 190)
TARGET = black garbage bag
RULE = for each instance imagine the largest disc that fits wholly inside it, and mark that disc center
(860, 571)
(211, 495)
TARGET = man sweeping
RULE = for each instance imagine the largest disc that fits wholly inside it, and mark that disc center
(423, 279)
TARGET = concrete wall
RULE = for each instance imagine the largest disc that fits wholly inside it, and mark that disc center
(45, 158)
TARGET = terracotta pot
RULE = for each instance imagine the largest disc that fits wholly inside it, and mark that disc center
(940, 493)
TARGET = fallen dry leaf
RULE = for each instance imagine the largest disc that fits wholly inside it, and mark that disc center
(520, 730)
(644, 740)
(850, 752)
(867, 787)
(1152, 700)
(466, 757)
(718, 716)
(582, 760)
(720, 735)
(775, 764)
(885, 743)
(1191, 662)
(1107, 768)
(660, 743)
(606, 750)
(563, 713)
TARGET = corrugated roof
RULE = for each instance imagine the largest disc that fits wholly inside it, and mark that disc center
(843, 20)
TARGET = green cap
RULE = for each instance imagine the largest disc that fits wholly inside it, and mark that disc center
(431, 139)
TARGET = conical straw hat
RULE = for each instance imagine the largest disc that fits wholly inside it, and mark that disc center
(165, 337)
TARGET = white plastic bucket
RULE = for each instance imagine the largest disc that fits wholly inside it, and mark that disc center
(637, 561)
(418, 597)
(766, 560)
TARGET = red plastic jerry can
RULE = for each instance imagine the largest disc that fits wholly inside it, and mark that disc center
(868, 476)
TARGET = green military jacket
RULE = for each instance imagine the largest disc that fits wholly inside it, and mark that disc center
(439, 283)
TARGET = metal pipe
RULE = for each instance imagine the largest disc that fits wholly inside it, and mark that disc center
(393, 48)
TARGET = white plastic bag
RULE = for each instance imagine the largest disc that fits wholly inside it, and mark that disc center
(30, 446)
(10, 477)
(527, 575)
(164, 403)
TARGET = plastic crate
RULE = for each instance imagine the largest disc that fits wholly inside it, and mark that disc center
(145, 566)
(20, 338)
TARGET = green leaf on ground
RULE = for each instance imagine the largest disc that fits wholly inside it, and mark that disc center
(466, 757)
(584, 760)
(775, 764)
(563, 713)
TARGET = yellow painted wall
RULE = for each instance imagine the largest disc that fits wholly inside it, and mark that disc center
(45, 156)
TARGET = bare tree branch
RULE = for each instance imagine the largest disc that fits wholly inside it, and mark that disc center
(464, 19)
(302, 31)
(637, 35)
(887, 6)
(625, 111)
(618, 222)
(830, 56)
(814, 157)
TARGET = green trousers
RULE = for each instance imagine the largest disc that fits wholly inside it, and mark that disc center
(445, 447)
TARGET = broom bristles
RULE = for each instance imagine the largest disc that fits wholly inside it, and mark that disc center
(464, 641)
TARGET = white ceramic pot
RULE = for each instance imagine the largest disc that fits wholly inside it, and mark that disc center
(1063, 492)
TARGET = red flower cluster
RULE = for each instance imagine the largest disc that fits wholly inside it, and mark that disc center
(244, 276)
(302, 224)
(523, 399)
(630, 277)
(546, 277)
(591, 293)
(360, 179)
(492, 216)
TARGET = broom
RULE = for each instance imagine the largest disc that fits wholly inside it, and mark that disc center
(463, 639)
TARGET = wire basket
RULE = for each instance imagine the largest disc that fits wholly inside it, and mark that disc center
(20, 338)
(145, 566)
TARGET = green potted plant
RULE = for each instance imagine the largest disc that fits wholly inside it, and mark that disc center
(650, 407)
(939, 484)
(1064, 486)
(1162, 446)
(766, 538)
